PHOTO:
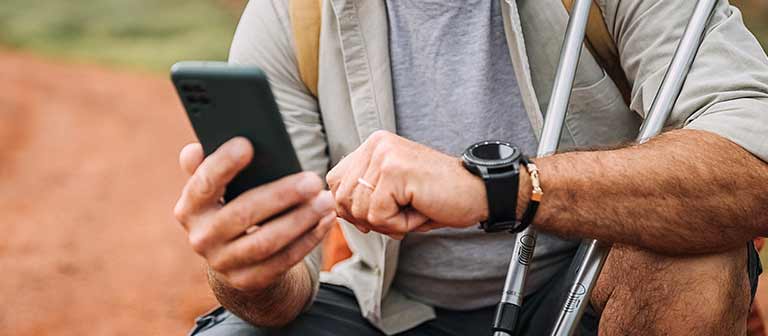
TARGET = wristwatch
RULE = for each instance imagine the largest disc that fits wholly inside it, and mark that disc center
(498, 164)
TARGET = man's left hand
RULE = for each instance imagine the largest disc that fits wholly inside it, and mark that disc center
(394, 186)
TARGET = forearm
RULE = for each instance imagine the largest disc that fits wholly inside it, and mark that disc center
(275, 306)
(683, 192)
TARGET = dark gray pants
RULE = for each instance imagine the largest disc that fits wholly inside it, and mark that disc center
(335, 313)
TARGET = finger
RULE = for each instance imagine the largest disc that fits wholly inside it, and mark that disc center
(334, 176)
(190, 157)
(386, 216)
(361, 194)
(361, 228)
(352, 168)
(207, 184)
(264, 202)
(409, 220)
(337, 174)
(274, 235)
(263, 274)
(344, 194)
(211, 227)
(383, 204)
(426, 227)
(359, 204)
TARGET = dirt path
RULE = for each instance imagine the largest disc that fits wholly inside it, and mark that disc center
(88, 177)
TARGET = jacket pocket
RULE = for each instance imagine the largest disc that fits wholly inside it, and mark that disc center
(598, 117)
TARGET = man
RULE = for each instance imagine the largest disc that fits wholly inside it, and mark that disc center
(679, 209)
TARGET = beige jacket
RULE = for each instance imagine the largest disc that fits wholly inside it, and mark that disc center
(726, 93)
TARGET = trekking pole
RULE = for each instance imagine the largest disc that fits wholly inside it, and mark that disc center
(594, 253)
(507, 312)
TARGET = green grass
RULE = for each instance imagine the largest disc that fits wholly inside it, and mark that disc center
(135, 33)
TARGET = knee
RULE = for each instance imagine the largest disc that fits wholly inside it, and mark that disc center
(708, 292)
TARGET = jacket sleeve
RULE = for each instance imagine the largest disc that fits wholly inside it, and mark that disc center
(263, 38)
(726, 91)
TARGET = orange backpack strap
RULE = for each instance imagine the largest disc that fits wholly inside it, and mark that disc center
(305, 22)
(600, 43)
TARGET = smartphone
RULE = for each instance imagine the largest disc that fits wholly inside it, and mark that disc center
(224, 101)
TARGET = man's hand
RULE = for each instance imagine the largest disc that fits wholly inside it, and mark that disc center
(415, 188)
(252, 241)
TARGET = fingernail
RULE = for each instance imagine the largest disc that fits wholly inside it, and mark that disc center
(238, 149)
(309, 185)
(323, 202)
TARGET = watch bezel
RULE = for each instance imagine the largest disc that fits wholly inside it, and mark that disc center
(512, 160)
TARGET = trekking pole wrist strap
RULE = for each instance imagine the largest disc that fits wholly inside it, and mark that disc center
(536, 194)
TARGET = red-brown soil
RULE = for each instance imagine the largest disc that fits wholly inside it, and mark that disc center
(88, 178)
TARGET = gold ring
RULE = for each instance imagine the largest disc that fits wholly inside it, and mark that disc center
(365, 183)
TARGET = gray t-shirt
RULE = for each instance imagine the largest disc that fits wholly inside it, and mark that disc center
(454, 85)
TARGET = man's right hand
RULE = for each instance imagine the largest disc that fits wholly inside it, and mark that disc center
(253, 240)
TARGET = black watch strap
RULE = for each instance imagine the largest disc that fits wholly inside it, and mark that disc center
(501, 191)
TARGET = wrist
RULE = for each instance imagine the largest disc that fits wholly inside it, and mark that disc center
(482, 211)
(523, 193)
(478, 196)
(272, 306)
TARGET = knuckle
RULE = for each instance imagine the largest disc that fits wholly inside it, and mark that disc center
(199, 241)
(224, 261)
(384, 149)
(217, 263)
(239, 216)
(331, 178)
(262, 248)
(378, 136)
(389, 164)
(374, 219)
(202, 185)
(181, 213)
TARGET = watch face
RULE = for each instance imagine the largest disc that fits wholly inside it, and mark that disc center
(492, 153)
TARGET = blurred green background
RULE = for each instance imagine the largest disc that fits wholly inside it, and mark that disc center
(150, 34)
(153, 34)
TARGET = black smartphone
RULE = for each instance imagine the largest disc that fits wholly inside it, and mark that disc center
(224, 101)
